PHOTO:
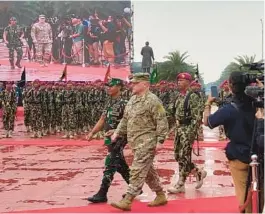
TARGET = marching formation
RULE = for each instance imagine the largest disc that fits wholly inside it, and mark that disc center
(74, 107)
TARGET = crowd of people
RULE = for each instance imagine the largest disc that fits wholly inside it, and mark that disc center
(73, 39)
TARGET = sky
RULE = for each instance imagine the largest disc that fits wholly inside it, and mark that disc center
(213, 32)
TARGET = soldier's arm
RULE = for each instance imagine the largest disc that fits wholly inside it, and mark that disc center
(5, 35)
(122, 127)
(33, 34)
(99, 126)
(195, 109)
(50, 32)
(160, 118)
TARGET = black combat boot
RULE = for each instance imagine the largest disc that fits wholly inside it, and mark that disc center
(100, 197)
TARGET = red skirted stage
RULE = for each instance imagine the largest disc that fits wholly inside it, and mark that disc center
(54, 71)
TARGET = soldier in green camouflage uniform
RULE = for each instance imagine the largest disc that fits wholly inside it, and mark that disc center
(9, 105)
(68, 110)
(187, 124)
(196, 87)
(115, 161)
(12, 38)
(51, 101)
(36, 112)
(27, 106)
(145, 124)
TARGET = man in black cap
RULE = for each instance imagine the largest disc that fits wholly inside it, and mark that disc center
(12, 38)
(115, 161)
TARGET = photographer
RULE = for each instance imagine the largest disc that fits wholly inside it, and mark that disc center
(238, 120)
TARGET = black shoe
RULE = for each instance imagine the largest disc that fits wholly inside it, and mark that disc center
(123, 196)
(97, 199)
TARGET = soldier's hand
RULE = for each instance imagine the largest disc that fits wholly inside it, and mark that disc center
(109, 133)
(114, 137)
(89, 136)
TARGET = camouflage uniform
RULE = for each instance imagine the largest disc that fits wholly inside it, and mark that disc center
(13, 33)
(41, 34)
(186, 131)
(27, 108)
(36, 113)
(145, 124)
(9, 105)
(224, 98)
(68, 111)
(115, 161)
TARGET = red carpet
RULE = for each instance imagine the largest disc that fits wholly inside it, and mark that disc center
(54, 71)
(200, 205)
(56, 141)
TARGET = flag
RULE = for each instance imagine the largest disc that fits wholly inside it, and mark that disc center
(154, 77)
(64, 74)
(22, 81)
(107, 75)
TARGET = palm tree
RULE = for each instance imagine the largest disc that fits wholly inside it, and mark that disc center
(174, 64)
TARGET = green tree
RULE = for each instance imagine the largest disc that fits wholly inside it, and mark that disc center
(175, 63)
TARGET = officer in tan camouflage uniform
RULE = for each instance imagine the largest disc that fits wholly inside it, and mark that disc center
(145, 124)
(9, 105)
(41, 33)
(187, 124)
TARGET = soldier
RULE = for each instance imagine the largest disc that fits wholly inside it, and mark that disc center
(225, 97)
(195, 86)
(26, 104)
(187, 116)
(109, 120)
(12, 37)
(145, 123)
(68, 111)
(36, 113)
(41, 33)
(9, 106)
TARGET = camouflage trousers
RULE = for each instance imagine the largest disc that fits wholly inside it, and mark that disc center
(114, 162)
(142, 169)
(68, 117)
(45, 118)
(185, 136)
(58, 116)
(12, 49)
(222, 135)
(9, 115)
(79, 119)
(43, 52)
(52, 118)
(27, 120)
(36, 117)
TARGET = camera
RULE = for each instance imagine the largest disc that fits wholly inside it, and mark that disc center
(254, 91)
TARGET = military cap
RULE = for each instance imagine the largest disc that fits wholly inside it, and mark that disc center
(69, 82)
(41, 16)
(36, 81)
(114, 81)
(194, 83)
(140, 77)
(13, 18)
(185, 76)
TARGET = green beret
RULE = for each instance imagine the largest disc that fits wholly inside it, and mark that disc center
(140, 77)
(114, 81)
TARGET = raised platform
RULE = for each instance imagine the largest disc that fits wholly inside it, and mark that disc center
(54, 71)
